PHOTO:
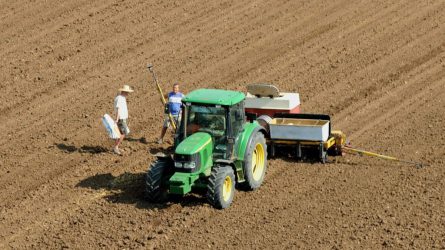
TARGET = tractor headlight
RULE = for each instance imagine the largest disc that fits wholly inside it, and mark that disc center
(187, 163)
(190, 164)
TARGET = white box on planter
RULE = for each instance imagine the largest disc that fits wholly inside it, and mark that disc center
(299, 129)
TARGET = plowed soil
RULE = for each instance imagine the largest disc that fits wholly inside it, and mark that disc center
(377, 67)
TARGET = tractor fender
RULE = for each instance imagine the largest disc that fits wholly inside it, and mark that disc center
(242, 143)
(224, 162)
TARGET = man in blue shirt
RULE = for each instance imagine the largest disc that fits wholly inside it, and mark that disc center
(174, 108)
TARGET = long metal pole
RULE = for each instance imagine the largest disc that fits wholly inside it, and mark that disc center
(170, 117)
(363, 152)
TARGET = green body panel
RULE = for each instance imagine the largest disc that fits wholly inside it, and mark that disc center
(181, 183)
(214, 96)
(241, 146)
(243, 139)
(199, 143)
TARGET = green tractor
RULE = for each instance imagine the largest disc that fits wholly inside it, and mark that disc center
(215, 149)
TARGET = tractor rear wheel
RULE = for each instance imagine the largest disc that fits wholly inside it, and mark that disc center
(255, 162)
(156, 181)
(221, 187)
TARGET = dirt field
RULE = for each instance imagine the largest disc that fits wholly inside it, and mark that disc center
(377, 67)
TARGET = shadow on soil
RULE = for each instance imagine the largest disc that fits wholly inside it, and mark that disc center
(128, 188)
(93, 149)
(141, 140)
(309, 156)
(293, 159)
(84, 149)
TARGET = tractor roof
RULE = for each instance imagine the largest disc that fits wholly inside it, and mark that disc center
(215, 96)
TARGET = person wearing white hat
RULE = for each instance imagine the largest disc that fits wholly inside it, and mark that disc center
(120, 107)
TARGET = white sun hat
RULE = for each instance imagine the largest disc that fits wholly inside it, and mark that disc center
(126, 88)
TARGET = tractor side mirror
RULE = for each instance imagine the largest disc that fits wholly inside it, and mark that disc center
(251, 116)
(238, 115)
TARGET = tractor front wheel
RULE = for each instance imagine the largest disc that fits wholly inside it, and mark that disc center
(221, 187)
(156, 181)
(255, 162)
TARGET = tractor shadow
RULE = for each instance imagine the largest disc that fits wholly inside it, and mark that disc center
(161, 150)
(129, 188)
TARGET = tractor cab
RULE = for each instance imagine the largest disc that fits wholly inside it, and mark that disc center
(220, 115)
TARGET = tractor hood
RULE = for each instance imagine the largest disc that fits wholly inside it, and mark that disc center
(193, 144)
(193, 157)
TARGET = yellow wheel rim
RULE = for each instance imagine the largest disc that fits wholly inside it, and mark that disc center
(258, 161)
(227, 188)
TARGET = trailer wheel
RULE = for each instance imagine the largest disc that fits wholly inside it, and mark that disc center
(255, 162)
(323, 154)
(156, 181)
(221, 187)
(324, 158)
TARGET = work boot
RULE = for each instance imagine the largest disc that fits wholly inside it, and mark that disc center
(117, 151)
(160, 141)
